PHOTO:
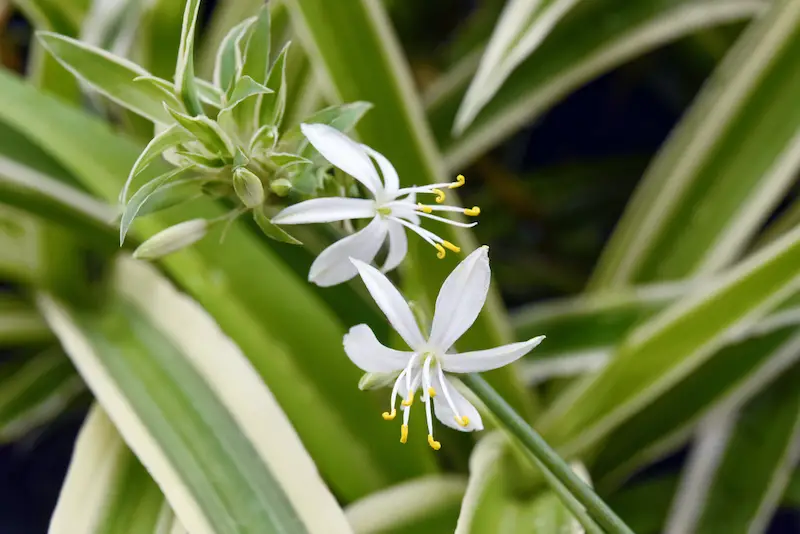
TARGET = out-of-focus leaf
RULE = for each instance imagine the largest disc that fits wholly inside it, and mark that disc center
(20, 245)
(271, 230)
(273, 105)
(427, 504)
(673, 344)
(229, 56)
(765, 432)
(365, 64)
(593, 38)
(159, 36)
(34, 389)
(107, 489)
(110, 75)
(20, 324)
(194, 410)
(269, 315)
(644, 506)
(226, 15)
(523, 25)
(732, 375)
(724, 169)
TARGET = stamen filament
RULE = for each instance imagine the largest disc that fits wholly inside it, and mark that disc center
(463, 421)
(389, 416)
(426, 380)
(446, 221)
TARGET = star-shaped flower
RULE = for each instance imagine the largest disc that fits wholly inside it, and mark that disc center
(391, 209)
(430, 361)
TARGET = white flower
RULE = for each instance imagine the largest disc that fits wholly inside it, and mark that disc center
(459, 302)
(390, 209)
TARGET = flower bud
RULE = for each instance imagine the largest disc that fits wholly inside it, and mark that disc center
(281, 187)
(377, 380)
(248, 187)
(172, 239)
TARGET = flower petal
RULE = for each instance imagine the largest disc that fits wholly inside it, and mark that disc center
(460, 300)
(392, 303)
(333, 265)
(391, 182)
(486, 360)
(329, 209)
(364, 349)
(344, 153)
(446, 415)
(398, 246)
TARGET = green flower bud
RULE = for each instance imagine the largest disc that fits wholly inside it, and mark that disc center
(377, 380)
(248, 187)
(281, 187)
(172, 239)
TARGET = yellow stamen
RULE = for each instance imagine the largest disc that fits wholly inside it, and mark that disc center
(389, 416)
(474, 212)
(448, 245)
(439, 195)
(441, 252)
(423, 208)
(462, 420)
(431, 392)
(435, 445)
(403, 433)
(460, 180)
(410, 400)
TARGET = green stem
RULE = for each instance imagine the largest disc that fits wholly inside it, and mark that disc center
(597, 509)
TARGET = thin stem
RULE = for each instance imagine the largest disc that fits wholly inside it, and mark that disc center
(532, 441)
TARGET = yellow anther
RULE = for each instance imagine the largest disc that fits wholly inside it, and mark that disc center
(435, 445)
(462, 420)
(431, 392)
(403, 433)
(460, 180)
(439, 195)
(441, 252)
(424, 209)
(410, 400)
(474, 212)
(449, 246)
(389, 416)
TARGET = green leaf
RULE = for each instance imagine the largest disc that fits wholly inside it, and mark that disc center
(112, 76)
(245, 88)
(276, 309)
(229, 56)
(674, 343)
(20, 323)
(592, 39)
(142, 196)
(194, 410)
(284, 159)
(208, 93)
(255, 62)
(427, 504)
(521, 28)
(271, 230)
(171, 137)
(725, 168)
(273, 105)
(208, 132)
(364, 64)
(107, 489)
(765, 433)
(34, 390)
(185, 84)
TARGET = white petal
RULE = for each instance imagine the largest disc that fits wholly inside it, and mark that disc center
(392, 303)
(364, 349)
(391, 182)
(486, 360)
(461, 298)
(398, 246)
(333, 265)
(330, 209)
(465, 408)
(344, 153)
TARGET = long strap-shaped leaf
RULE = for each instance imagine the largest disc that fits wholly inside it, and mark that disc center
(725, 168)
(194, 411)
(366, 63)
(748, 463)
(107, 489)
(670, 346)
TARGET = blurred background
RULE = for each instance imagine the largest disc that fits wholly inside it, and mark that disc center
(550, 195)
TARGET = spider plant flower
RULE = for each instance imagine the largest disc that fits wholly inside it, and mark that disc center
(392, 209)
(431, 360)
